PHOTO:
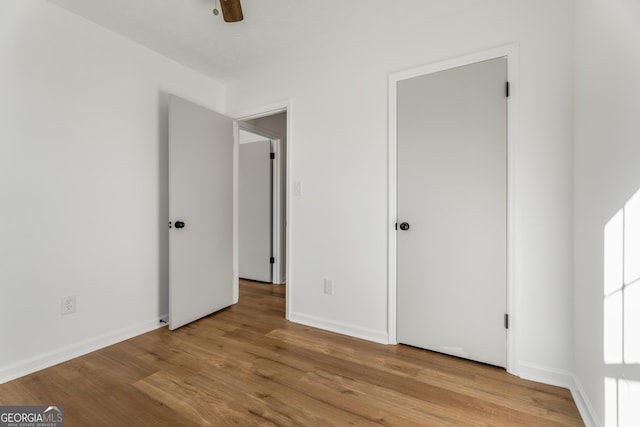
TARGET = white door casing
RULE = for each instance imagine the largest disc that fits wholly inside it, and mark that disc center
(452, 190)
(201, 277)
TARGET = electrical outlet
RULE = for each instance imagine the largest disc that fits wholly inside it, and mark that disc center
(68, 305)
(297, 188)
(328, 286)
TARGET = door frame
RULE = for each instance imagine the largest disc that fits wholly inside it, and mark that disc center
(511, 53)
(285, 155)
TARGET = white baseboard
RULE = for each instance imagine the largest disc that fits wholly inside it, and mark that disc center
(366, 334)
(544, 374)
(565, 379)
(584, 405)
(55, 357)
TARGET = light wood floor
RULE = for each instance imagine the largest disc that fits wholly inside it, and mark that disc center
(247, 366)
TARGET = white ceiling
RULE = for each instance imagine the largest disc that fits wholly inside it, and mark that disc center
(272, 30)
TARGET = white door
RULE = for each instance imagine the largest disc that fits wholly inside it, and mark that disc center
(254, 211)
(201, 212)
(452, 195)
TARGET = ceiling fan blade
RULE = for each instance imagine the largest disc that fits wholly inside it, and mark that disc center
(231, 10)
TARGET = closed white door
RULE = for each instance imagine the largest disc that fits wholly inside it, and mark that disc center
(201, 212)
(254, 211)
(452, 207)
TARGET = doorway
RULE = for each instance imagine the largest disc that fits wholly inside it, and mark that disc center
(262, 198)
(203, 206)
(434, 252)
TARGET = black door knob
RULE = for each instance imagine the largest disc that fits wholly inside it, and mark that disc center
(404, 226)
(179, 224)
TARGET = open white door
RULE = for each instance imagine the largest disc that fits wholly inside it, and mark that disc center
(255, 232)
(201, 212)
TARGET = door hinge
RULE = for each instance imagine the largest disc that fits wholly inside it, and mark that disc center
(506, 321)
(272, 156)
(272, 260)
(506, 89)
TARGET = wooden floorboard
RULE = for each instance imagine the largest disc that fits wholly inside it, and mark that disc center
(246, 365)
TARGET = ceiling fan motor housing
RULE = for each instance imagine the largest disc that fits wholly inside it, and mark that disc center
(231, 10)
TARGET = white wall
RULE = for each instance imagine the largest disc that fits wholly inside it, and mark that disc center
(607, 171)
(83, 183)
(338, 151)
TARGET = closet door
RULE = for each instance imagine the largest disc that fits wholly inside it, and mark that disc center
(452, 211)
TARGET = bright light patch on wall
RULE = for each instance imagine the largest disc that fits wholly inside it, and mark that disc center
(613, 303)
(621, 285)
(613, 254)
(632, 239)
(632, 281)
(621, 310)
(621, 403)
(613, 328)
(632, 326)
(610, 402)
(628, 403)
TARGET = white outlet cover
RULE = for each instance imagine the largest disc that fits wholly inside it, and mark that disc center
(328, 286)
(297, 188)
(68, 305)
